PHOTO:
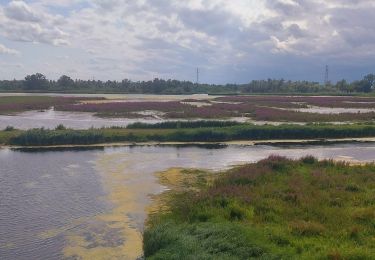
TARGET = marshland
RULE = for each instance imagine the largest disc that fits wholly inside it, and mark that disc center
(188, 130)
(130, 207)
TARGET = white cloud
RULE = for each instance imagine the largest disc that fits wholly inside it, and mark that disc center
(22, 22)
(5, 50)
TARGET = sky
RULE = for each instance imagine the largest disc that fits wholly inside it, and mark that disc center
(232, 41)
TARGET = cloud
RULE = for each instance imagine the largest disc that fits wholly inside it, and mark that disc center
(5, 50)
(20, 11)
(21, 22)
(236, 40)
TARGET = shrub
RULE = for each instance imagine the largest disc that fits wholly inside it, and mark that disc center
(309, 159)
(9, 128)
(60, 127)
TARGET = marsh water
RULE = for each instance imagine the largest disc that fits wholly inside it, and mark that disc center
(76, 120)
(92, 204)
(80, 120)
(51, 118)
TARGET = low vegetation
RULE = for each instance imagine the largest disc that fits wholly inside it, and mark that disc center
(258, 108)
(183, 132)
(263, 108)
(14, 104)
(274, 209)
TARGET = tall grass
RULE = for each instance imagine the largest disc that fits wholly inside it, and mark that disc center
(193, 133)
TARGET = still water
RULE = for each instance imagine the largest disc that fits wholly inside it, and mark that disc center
(78, 120)
(91, 204)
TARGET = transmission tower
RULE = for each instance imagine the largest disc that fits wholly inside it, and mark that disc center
(197, 76)
(326, 76)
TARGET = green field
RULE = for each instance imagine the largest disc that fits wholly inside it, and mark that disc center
(274, 209)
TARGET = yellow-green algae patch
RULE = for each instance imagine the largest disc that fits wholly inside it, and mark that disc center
(117, 234)
(179, 180)
(113, 235)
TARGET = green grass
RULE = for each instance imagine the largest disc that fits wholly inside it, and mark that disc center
(62, 136)
(6, 136)
(274, 209)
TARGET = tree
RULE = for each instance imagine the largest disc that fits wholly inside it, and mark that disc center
(65, 82)
(343, 86)
(366, 84)
(36, 81)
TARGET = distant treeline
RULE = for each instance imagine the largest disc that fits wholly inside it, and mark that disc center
(40, 137)
(39, 83)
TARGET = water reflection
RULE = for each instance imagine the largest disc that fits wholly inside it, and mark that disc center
(43, 191)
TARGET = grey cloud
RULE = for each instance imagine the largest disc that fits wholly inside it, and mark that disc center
(296, 31)
(356, 26)
(213, 22)
(300, 27)
(20, 11)
(108, 5)
(284, 8)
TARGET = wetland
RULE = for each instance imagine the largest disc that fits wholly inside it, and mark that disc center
(74, 203)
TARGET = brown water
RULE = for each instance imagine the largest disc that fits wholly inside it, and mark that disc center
(91, 204)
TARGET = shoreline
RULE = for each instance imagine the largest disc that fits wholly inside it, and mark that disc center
(320, 141)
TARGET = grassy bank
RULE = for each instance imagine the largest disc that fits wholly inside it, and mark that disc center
(176, 133)
(274, 209)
